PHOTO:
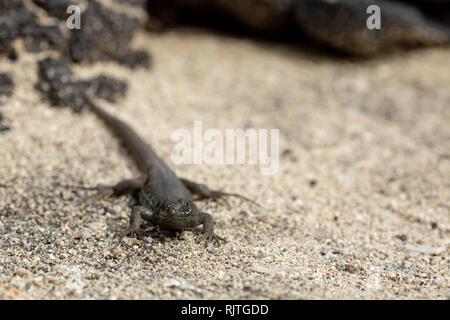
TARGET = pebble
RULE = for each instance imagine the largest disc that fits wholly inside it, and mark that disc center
(350, 268)
(22, 272)
(116, 209)
(265, 270)
(426, 249)
(172, 283)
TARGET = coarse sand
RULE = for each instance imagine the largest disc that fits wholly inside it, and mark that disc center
(360, 207)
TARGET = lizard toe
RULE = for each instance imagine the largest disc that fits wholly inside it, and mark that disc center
(215, 238)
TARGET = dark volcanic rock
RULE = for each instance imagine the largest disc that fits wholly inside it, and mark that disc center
(6, 85)
(135, 3)
(3, 125)
(342, 25)
(267, 16)
(17, 21)
(7, 35)
(6, 90)
(14, 16)
(57, 83)
(106, 88)
(338, 24)
(38, 38)
(55, 8)
(270, 16)
(106, 35)
(438, 10)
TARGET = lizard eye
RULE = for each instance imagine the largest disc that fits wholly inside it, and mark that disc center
(186, 211)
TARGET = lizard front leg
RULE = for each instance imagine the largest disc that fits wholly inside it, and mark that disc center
(129, 185)
(200, 190)
(138, 214)
(123, 187)
(208, 228)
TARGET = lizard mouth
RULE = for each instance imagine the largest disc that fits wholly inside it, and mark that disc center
(178, 208)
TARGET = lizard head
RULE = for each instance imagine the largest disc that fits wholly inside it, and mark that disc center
(178, 214)
(178, 208)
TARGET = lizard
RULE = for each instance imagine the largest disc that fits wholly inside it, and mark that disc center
(164, 199)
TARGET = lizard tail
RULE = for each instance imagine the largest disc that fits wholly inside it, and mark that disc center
(139, 149)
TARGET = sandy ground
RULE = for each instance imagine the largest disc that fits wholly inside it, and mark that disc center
(361, 197)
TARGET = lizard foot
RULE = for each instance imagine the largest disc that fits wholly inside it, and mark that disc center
(135, 223)
(214, 237)
(103, 192)
(130, 231)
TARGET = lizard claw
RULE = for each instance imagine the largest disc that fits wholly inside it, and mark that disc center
(214, 237)
(134, 225)
(131, 232)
